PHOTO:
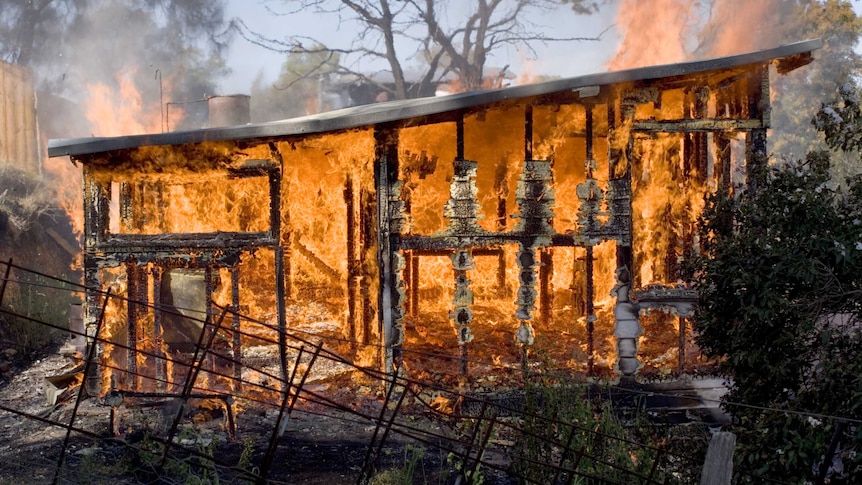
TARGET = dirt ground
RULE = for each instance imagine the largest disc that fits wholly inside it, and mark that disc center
(320, 445)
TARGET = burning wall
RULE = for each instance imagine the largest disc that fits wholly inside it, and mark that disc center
(561, 210)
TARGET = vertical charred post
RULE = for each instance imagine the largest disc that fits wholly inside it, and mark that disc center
(391, 219)
(683, 323)
(282, 277)
(700, 143)
(501, 188)
(353, 270)
(132, 312)
(627, 328)
(535, 199)
(236, 342)
(722, 149)
(546, 264)
(462, 300)
(127, 194)
(592, 204)
(546, 284)
(209, 289)
(96, 196)
(158, 339)
(92, 308)
(526, 301)
(756, 156)
(463, 211)
(414, 285)
(367, 210)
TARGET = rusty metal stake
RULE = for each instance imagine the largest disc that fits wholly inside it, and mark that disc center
(305, 374)
(681, 356)
(387, 429)
(287, 408)
(276, 430)
(830, 451)
(655, 466)
(482, 446)
(565, 455)
(197, 361)
(5, 279)
(91, 355)
(367, 464)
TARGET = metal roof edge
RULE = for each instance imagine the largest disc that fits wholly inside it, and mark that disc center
(391, 111)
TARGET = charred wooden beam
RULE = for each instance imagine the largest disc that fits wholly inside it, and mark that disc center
(92, 317)
(756, 156)
(462, 300)
(127, 196)
(463, 210)
(352, 204)
(786, 64)
(236, 341)
(133, 243)
(626, 326)
(132, 326)
(546, 284)
(723, 170)
(414, 284)
(158, 339)
(368, 207)
(689, 125)
(96, 212)
(331, 273)
(390, 219)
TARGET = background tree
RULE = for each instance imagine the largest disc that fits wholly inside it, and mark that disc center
(781, 303)
(799, 93)
(442, 43)
(301, 87)
(70, 43)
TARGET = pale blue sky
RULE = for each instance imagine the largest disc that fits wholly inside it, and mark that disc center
(559, 58)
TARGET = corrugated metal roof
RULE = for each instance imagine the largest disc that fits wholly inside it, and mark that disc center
(394, 111)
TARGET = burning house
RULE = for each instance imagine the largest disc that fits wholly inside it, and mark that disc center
(561, 210)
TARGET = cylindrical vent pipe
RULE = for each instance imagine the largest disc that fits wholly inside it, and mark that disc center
(231, 110)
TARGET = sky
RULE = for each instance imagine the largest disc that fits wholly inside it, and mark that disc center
(565, 59)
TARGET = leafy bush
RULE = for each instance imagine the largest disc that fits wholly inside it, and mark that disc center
(605, 444)
(781, 301)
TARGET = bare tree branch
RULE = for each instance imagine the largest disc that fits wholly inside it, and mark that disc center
(461, 48)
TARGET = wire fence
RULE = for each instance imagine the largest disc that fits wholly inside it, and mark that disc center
(558, 431)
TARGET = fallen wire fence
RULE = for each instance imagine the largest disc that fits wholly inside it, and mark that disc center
(541, 445)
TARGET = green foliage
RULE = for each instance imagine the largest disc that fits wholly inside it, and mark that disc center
(781, 301)
(611, 449)
(841, 124)
(800, 92)
(413, 458)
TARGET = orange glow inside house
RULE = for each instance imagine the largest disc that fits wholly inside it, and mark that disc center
(547, 230)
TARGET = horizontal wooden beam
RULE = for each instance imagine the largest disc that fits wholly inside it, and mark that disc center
(697, 125)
